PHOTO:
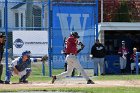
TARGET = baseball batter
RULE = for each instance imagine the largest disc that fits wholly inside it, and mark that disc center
(21, 66)
(71, 59)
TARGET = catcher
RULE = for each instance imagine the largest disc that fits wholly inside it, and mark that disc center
(21, 66)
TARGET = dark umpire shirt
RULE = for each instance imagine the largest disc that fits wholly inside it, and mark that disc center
(98, 51)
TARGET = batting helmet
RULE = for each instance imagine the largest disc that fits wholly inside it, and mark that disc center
(75, 34)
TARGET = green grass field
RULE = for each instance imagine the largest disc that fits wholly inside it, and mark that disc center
(38, 77)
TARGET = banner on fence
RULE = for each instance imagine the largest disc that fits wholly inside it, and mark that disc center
(72, 18)
(34, 41)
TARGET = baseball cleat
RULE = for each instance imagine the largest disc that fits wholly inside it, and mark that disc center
(53, 79)
(23, 81)
(7, 82)
(1, 82)
(90, 82)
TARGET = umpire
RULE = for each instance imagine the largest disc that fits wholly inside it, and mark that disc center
(2, 43)
(98, 54)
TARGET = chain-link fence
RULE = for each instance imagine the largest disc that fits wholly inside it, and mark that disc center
(25, 23)
(18, 18)
(65, 16)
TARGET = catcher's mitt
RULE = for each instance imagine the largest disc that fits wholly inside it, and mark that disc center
(44, 58)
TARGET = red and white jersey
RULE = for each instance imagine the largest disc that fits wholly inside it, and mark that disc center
(71, 45)
(133, 57)
(123, 51)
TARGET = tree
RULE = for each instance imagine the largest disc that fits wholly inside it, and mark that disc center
(120, 10)
(109, 9)
(134, 10)
(122, 13)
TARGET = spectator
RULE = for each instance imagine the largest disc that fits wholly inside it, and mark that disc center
(133, 60)
(123, 52)
(98, 53)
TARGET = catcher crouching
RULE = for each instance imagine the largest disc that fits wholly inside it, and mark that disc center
(21, 66)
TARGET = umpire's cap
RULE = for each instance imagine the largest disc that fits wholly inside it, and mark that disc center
(26, 53)
(75, 34)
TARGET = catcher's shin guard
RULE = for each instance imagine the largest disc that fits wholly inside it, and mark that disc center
(1, 70)
(23, 78)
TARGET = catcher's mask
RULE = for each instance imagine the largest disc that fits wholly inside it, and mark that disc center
(27, 53)
(75, 34)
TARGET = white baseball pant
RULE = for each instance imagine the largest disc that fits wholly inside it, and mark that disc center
(122, 63)
(73, 62)
(22, 73)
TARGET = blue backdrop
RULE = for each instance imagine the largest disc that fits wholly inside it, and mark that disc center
(68, 18)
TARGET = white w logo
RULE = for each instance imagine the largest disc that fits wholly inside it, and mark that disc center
(72, 22)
